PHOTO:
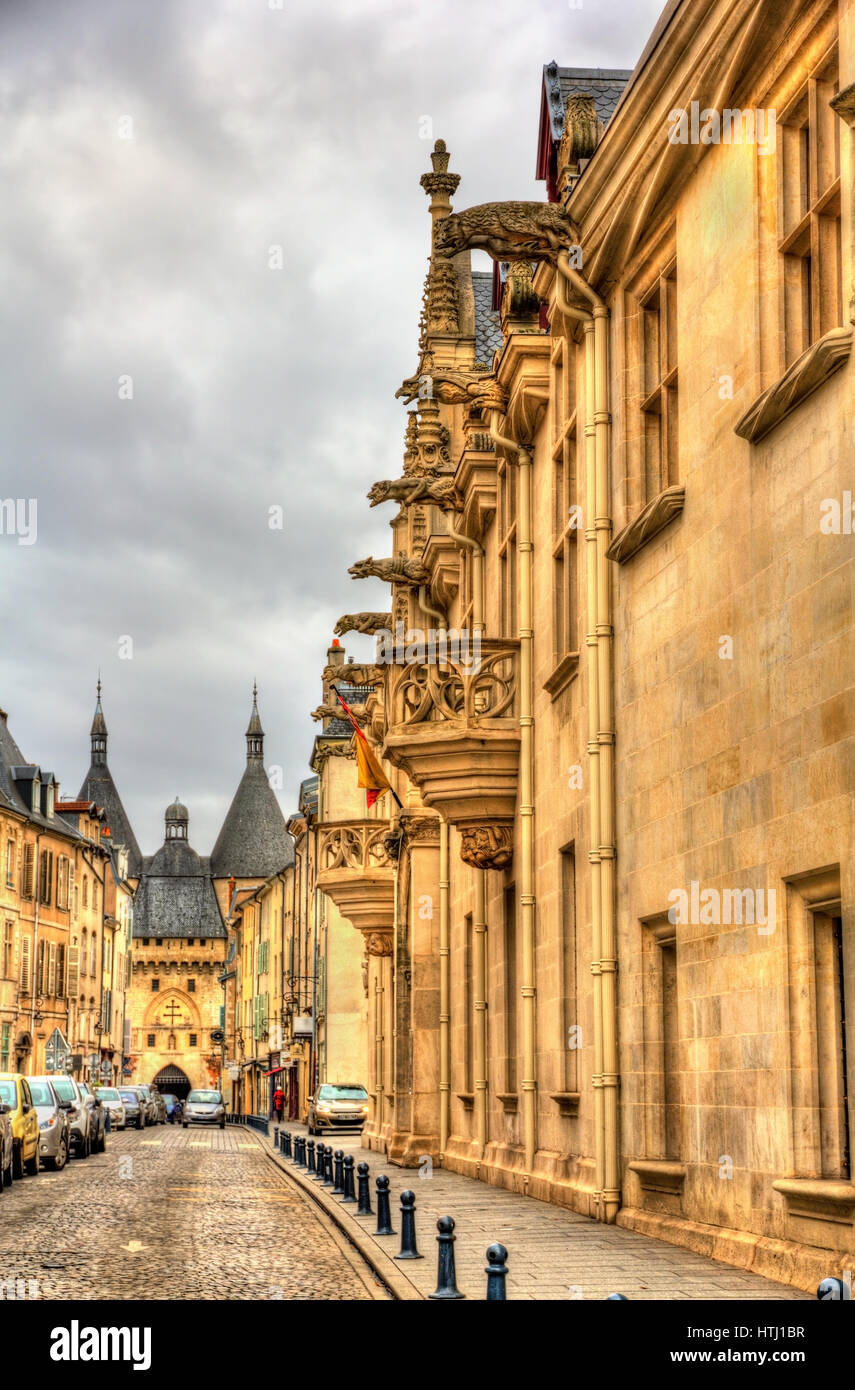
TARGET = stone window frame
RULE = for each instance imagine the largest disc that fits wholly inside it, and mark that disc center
(507, 547)
(652, 372)
(564, 493)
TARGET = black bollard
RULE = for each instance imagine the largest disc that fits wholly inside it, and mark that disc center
(320, 1161)
(339, 1170)
(364, 1208)
(446, 1285)
(328, 1179)
(276, 1136)
(302, 1151)
(286, 1143)
(408, 1249)
(310, 1150)
(349, 1193)
(295, 1161)
(496, 1274)
(384, 1215)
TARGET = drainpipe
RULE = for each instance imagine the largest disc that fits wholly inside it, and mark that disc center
(426, 608)
(526, 720)
(444, 993)
(477, 574)
(601, 730)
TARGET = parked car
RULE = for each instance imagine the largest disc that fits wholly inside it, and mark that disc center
(204, 1108)
(97, 1118)
(135, 1106)
(7, 1146)
(173, 1108)
(147, 1093)
(114, 1105)
(73, 1100)
(54, 1135)
(337, 1106)
(15, 1092)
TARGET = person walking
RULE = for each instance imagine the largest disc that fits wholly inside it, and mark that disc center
(278, 1103)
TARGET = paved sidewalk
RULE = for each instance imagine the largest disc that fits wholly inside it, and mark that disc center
(553, 1253)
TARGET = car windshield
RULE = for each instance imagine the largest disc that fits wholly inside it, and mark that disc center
(343, 1093)
(41, 1093)
(7, 1094)
(107, 1093)
(204, 1098)
(130, 1097)
(64, 1089)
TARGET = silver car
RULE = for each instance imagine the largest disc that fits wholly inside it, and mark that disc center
(73, 1100)
(204, 1108)
(113, 1104)
(134, 1106)
(54, 1138)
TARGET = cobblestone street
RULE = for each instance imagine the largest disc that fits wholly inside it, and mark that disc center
(175, 1214)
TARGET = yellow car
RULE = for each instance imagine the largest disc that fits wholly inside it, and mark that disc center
(15, 1092)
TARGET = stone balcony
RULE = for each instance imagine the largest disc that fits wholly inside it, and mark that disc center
(357, 871)
(453, 727)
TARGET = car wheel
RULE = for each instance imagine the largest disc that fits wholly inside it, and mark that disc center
(58, 1163)
(183, 1124)
(102, 1143)
(33, 1165)
(8, 1174)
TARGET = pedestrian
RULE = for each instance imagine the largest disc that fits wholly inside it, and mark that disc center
(278, 1103)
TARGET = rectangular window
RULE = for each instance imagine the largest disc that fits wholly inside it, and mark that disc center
(191, 986)
(5, 1046)
(468, 1005)
(28, 872)
(51, 970)
(9, 950)
(73, 983)
(662, 1055)
(155, 984)
(809, 212)
(10, 863)
(656, 345)
(25, 965)
(510, 963)
(40, 967)
(508, 547)
(571, 1040)
(60, 971)
(194, 1042)
(62, 883)
(150, 1040)
(564, 532)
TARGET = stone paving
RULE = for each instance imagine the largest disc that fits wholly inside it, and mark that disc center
(174, 1214)
(553, 1253)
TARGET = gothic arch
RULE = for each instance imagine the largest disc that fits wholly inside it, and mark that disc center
(187, 1002)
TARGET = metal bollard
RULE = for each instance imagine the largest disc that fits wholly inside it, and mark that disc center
(408, 1250)
(339, 1171)
(302, 1150)
(496, 1274)
(310, 1150)
(276, 1136)
(328, 1179)
(286, 1143)
(446, 1284)
(364, 1208)
(349, 1193)
(295, 1161)
(384, 1215)
(320, 1161)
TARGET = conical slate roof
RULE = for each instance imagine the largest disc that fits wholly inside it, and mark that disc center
(98, 786)
(254, 840)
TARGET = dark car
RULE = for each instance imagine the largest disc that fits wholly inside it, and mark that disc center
(173, 1108)
(97, 1118)
(134, 1107)
(337, 1106)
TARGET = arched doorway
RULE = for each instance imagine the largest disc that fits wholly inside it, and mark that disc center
(172, 1081)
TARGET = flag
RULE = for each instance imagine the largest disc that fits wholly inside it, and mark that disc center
(371, 776)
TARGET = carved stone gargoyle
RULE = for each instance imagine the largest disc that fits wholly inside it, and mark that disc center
(440, 491)
(351, 673)
(400, 570)
(336, 711)
(454, 387)
(369, 623)
(512, 231)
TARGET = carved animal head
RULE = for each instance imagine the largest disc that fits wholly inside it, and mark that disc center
(363, 569)
(380, 492)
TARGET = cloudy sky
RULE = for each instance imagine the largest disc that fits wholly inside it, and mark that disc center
(163, 388)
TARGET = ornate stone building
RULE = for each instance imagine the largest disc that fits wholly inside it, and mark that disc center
(620, 907)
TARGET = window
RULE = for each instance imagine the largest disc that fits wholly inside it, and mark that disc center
(84, 953)
(5, 1046)
(46, 876)
(25, 965)
(85, 890)
(93, 942)
(564, 532)
(572, 1039)
(8, 953)
(10, 863)
(508, 547)
(62, 883)
(194, 1042)
(155, 984)
(150, 1040)
(657, 353)
(663, 1076)
(510, 963)
(191, 986)
(40, 967)
(468, 1005)
(809, 212)
(28, 872)
(60, 971)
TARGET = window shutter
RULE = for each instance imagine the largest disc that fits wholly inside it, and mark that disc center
(51, 970)
(40, 968)
(28, 871)
(25, 961)
(60, 972)
(73, 971)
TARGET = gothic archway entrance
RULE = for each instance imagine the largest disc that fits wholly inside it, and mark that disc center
(172, 1081)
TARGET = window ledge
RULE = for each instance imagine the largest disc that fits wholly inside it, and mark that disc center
(567, 1102)
(647, 524)
(563, 674)
(659, 1175)
(808, 372)
(509, 1101)
(467, 1100)
(820, 1199)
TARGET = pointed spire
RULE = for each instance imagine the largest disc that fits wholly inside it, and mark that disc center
(98, 732)
(254, 732)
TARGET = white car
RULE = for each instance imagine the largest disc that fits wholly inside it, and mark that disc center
(204, 1108)
(112, 1102)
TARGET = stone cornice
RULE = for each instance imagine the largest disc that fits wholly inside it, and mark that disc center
(820, 361)
(523, 370)
(649, 522)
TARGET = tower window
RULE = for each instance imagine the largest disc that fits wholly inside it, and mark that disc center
(191, 986)
(155, 984)
(150, 1040)
(194, 1040)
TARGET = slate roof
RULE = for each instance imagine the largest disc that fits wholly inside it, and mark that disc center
(12, 763)
(98, 786)
(488, 332)
(253, 841)
(605, 85)
(176, 897)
